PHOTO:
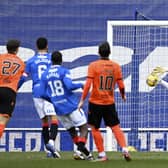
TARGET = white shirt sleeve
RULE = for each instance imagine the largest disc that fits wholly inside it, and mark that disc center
(164, 83)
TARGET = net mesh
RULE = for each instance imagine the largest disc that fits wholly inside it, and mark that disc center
(145, 112)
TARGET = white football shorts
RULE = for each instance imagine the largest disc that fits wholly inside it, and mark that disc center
(43, 107)
(74, 119)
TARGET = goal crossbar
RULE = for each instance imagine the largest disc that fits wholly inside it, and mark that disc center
(138, 23)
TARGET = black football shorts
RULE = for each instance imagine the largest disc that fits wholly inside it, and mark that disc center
(106, 112)
(7, 100)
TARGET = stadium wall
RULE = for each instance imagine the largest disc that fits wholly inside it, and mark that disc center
(76, 28)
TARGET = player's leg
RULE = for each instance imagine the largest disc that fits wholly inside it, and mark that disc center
(39, 105)
(7, 105)
(80, 141)
(49, 112)
(83, 130)
(94, 120)
(3, 121)
(50, 136)
(111, 119)
(45, 129)
(74, 135)
(41, 109)
(78, 119)
(53, 127)
(70, 122)
(119, 135)
(67, 123)
(46, 137)
(53, 135)
(99, 142)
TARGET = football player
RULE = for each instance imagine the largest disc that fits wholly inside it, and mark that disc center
(57, 86)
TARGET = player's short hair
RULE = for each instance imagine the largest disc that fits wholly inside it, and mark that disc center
(12, 45)
(41, 43)
(104, 49)
(56, 58)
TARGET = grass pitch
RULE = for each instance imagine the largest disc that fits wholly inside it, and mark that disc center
(39, 160)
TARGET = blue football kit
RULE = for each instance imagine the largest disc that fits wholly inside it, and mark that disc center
(35, 67)
(57, 86)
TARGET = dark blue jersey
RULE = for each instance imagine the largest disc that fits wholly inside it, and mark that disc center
(57, 86)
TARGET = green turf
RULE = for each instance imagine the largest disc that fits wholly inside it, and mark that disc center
(38, 160)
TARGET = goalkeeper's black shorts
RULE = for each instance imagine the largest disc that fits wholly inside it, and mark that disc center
(7, 100)
(106, 112)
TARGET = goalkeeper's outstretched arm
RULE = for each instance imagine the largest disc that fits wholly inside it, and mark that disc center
(164, 83)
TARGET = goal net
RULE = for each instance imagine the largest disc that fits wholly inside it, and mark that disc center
(140, 46)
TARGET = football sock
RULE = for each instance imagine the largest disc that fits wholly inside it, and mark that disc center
(53, 130)
(80, 142)
(82, 148)
(45, 133)
(75, 139)
(119, 135)
(2, 127)
(98, 139)
(82, 139)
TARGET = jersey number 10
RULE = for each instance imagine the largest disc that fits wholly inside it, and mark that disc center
(106, 83)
